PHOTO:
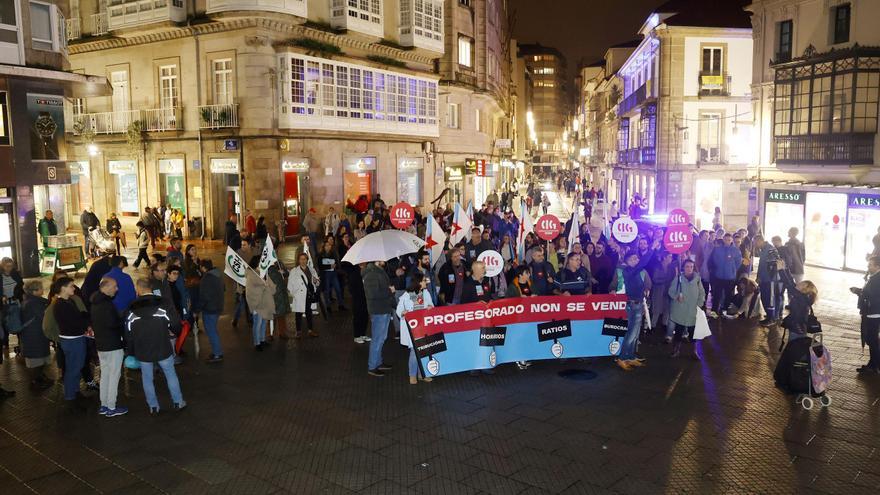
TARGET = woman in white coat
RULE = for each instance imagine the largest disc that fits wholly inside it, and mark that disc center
(416, 297)
(303, 287)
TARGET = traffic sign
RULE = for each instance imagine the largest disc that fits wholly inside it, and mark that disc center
(625, 230)
(548, 227)
(493, 261)
(678, 218)
(402, 215)
(678, 239)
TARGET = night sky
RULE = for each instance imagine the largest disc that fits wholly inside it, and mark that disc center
(580, 29)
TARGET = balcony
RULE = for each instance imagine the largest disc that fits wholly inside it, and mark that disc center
(104, 122)
(73, 29)
(468, 78)
(825, 149)
(350, 15)
(218, 116)
(292, 7)
(714, 84)
(129, 13)
(99, 24)
(162, 119)
(421, 24)
(634, 99)
(637, 156)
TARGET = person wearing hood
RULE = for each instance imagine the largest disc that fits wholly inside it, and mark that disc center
(147, 337)
(34, 344)
(688, 295)
(261, 300)
(210, 305)
(108, 329)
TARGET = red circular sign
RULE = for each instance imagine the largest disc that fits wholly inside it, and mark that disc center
(836, 219)
(678, 239)
(402, 215)
(548, 227)
(678, 218)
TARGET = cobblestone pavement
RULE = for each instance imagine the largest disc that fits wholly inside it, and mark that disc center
(304, 417)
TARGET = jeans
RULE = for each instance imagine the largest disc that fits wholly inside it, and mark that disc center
(167, 366)
(210, 321)
(772, 302)
(380, 332)
(635, 311)
(331, 284)
(74, 360)
(241, 305)
(413, 363)
(259, 329)
(111, 370)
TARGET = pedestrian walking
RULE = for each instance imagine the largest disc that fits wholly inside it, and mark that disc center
(108, 331)
(143, 242)
(416, 297)
(380, 304)
(211, 295)
(688, 296)
(147, 336)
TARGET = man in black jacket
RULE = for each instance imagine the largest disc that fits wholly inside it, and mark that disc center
(211, 293)
(477, 287)
(869, 307)
(107, 326)
(451, 276)
(475, 247)
(147, 334)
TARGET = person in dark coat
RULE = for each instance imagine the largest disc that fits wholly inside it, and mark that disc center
(796, 255)
(210, 305)
(11, 295)
(87, 221)
(96, 272)
(47, 227)
(360, 316)
(869, 308)
(34, 344)
(801, 297)
(108, 330)
(282, 300)
(231, 235)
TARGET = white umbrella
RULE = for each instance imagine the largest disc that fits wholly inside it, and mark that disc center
(382, 246)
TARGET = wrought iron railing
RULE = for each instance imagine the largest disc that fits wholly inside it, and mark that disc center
(832, 149)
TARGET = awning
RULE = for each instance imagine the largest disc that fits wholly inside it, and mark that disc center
(75, 85)
(805, 183)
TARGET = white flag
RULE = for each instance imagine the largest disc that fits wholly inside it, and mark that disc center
(268, 258)
(435, 239)
(308, 252)
(235, 267)
(461, 226)
(574, 231)
(525, 227)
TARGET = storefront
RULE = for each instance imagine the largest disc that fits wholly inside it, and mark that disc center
(7, 224)
(837, 229)
(708, 194)
(453, 176)
(124, 182)
(483, 173)
(296, 191)
(410, 180)
(172, 183)
(359, 177)
(225, 192)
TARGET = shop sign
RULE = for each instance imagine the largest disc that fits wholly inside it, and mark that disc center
(224, 165)
(121, 167)
(46, 115)
(470, 166)
(794, 197)
(174, 167)
(402, 215)
(864, 202)
(548, 227)
(453, 173)
(503, 144)
(410, 163)
(52, 173)
(360, 163)
(295, 165)
(230, 145)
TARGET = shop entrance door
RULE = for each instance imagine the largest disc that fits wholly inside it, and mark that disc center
(226, 201)
(233, 202)
(296, 194)
(7, 229)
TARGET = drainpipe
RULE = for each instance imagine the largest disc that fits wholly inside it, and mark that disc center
(198, 101)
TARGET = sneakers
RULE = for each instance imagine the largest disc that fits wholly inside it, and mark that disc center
(426, 379)
(384, 367)
(180, 406)
(103, 410)
(624, 365)
(360, 340)
(376, 372)
(258, 347)
(523, 365)
(93, 385)
(154, 411)
(119, 411)
(413, 380)
(728, 316)
(215, 359)
(313, 333)
(367, 339)
(637, 362)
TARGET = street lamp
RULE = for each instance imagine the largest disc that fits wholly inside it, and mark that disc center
(92, 149)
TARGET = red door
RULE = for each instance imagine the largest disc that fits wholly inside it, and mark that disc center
(292, 202)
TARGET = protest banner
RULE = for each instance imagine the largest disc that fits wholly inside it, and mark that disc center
(452, 339)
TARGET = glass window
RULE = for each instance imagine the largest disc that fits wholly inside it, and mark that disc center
(709, 146)
(841, 119)
(712, 61)
(478, 120)
(7, 13)
(821, 107)
(41, 25)
(223, 81)
(465, 51)
(169, 96)
(4, 121)
(865, 110)
(783, 41)
(841, 23)
(452, 115)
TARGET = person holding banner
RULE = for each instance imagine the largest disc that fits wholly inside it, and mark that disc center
(688, 296)
(452, 276)
(574, 279)
(416, 297)
(477, 287)
(542, 273)
(302, 285)
(211, 290)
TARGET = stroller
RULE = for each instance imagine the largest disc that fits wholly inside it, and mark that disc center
(103, 241)
(805, 369)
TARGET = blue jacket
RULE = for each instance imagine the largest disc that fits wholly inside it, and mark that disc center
(126, 293)
(632, 278)
(725, 261)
